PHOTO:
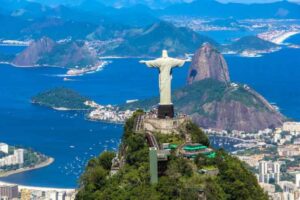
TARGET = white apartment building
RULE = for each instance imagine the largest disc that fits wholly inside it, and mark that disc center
(4, 147)
(269, 170)
(15, 159)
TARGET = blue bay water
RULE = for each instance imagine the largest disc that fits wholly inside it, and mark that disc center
(294, 39)
(72, 140)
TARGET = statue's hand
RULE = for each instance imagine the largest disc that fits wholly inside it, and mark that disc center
(188, 58)
(143, 61)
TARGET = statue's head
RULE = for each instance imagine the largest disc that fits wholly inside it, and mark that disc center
(165, 54)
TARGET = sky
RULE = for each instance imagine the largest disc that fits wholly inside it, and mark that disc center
(254, 1)
(75, 2)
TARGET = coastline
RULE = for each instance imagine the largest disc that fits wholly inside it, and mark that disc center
(278, 37)
(282, 38)
(39, 188)
(48, 162)
(34, 66)
(86, 70)
(60, 108)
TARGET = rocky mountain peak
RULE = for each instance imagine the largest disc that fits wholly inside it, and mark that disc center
(31, 55)
(208, 62)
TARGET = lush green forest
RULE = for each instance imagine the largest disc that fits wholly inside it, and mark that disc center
(61, 98)
(180, 180)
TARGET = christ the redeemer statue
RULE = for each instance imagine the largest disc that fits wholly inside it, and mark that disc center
(165, 64)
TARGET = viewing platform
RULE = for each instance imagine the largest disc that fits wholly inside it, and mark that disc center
(150, 123)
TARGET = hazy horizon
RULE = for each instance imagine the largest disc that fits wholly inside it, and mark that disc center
(116, 2)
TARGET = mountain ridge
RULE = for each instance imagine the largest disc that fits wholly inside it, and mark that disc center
(46, 52)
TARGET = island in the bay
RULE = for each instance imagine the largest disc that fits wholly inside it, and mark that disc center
(65, 99)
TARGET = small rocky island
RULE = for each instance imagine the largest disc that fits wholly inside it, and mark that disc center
(65, 99)
(61, 99)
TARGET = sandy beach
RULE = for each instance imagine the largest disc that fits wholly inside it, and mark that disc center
(280, 39)
(44, 164)
(39, 188)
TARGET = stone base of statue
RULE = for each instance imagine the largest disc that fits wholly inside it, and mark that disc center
(165, 111)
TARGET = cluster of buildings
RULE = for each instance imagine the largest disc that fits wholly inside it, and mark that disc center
(285, 151)
(199, 24)
(108, 113)
(277, 36)
(15, 192)
(17, 158)
(288, 190)
(269, 172)
(269, 178)
(288, 133)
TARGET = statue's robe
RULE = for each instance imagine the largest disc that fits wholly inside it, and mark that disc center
(165, 66)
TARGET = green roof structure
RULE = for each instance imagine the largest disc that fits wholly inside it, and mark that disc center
(194, 147)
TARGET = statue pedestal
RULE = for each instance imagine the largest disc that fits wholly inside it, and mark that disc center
(165, 111)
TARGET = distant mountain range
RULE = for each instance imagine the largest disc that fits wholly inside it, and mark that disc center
(137, 13)
(212, 8)
(146, 42)
(135, 30)
(151, 40)
(119, 3)
(30, 20)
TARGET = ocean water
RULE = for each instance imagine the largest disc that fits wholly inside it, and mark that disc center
(294, 39)
(11, 49)
(72, 140)
(67, 136)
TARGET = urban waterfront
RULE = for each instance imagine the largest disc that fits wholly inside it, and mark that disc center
(71, 140)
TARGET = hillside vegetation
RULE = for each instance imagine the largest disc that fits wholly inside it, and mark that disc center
(180, 180)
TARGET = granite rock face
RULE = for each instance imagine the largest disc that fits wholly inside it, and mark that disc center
(46, 52)
(215, 105)
(213, 102)
(31, 55)
(208, 63)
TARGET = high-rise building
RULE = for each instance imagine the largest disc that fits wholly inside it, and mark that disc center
(9, 191)
(276, 171)
(298, 180)
(61, 196)
(263, 171)
(4, 147)
(19, 154)
(269, 170)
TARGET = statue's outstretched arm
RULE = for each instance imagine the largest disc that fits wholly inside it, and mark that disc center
(150, 63)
